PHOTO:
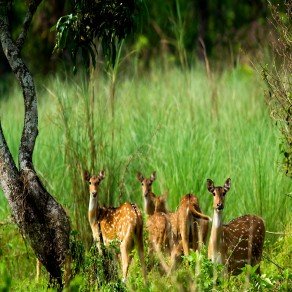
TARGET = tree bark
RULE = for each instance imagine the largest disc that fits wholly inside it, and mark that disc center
(40, 218)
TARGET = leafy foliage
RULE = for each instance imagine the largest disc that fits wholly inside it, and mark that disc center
(188, 147)
(77, 252)
(5, 284)
(107, 21)
(102, 271)
(279, 81)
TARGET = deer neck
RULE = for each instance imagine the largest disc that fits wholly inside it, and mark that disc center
(215, 244)
(93, 210)
(149, 205)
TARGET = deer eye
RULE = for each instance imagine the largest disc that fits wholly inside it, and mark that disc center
(89, 182)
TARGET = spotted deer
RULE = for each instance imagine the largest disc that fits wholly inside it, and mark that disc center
(240, 241)
(152, 203)
(188, 219)
(157, 222)
(200, 225)
(123, 223)
(188, 229)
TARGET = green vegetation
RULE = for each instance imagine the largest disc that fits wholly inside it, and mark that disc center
(226, 28)
(279, 81)
(182, 124)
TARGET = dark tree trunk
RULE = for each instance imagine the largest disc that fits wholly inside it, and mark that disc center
(203, 17)
(40, 218)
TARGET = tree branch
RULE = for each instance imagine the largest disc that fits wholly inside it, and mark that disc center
(32, 7)
(30, 128)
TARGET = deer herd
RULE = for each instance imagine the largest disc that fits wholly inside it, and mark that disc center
(173, 234)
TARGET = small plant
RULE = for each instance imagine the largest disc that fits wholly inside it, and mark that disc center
(206, 274)
(102, 270)
(77, 252)
(5, 282)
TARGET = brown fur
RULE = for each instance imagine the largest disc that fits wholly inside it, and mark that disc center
(160, 234)
(188, 231)
(158, 224)
(152, 203)
(186, 225)
(237, 243)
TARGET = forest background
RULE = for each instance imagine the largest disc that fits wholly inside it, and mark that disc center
(192, 96)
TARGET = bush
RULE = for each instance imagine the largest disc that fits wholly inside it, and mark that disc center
(279, 81)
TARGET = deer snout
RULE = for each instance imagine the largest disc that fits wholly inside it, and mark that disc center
(94, 193)
(146, 193)
(220, 206)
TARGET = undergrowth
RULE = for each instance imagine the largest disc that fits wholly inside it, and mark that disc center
(164, 121)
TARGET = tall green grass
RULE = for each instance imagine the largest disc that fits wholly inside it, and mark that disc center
(164, 121)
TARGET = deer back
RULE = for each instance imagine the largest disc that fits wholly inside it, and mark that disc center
(117, 223)
(242, 241)
(159, 230)
(189, 212)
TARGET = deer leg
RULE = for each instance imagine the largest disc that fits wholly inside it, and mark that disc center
(169, 238)
(193, 236)
(140, 249)
(176, 254)
(99, 240)
(185, 240)
(162, 262)
(126, 246)
(199, 234)
(126, 259)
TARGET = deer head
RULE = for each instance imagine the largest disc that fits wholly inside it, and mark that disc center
(218, 193)
(94, 182)
(146, 182)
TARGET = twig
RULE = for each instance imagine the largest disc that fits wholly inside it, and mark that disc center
(278, 233)
(205, 58)
(33, 5)
(268, 259)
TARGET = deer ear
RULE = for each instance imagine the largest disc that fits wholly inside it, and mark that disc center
(101, 174)
(139, 176)
(210, 185)
(86, 175)
(227, 185)
(153, 176)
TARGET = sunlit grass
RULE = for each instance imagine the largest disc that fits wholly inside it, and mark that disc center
(165, 122)
(181, 124)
